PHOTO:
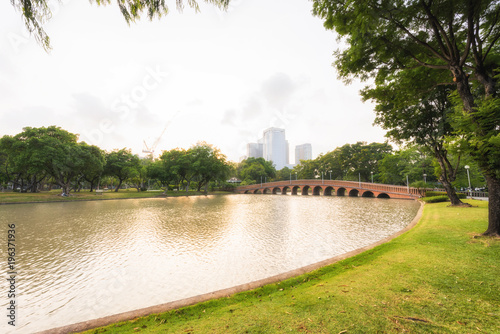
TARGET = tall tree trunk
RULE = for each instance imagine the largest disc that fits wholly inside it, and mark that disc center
(447, 176)
(119, 185)
(493, 206)
(452, 195)
(463, 88)
(66, 188)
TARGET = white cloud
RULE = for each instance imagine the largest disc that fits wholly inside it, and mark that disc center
(230, 75)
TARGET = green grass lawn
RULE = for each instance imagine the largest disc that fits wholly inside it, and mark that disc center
(55, 195)
(439, 277)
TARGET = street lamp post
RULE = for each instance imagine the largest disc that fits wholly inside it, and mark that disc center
(468, 177)
(330, 175)
(372, 176)
(322, 182)
(295, 176)
(425, 178)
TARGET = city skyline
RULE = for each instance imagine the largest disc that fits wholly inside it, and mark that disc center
(273, 146)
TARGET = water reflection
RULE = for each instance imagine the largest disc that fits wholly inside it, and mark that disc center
(79, 261)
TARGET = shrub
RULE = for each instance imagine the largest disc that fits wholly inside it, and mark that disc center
(435, 199)
(442, 193)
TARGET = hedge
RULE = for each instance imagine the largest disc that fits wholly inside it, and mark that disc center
(442, 193)
(435, 199)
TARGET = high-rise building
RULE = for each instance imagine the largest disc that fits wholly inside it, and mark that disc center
(303, 152)
(255, 150)
(272, 147)
(275, 147)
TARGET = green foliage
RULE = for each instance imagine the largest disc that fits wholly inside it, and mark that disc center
(195, 167)
(431, 193)
(479, 132)
(413, 161)
(283, 174)
(345, 163)
(255, 170)
(37, 154)
(436, 199)
(36, 12)
(94, 163)
(123, 165)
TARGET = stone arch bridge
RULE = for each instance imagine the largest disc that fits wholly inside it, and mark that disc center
(330, 188)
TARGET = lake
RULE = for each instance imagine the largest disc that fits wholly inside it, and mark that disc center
(78, 261)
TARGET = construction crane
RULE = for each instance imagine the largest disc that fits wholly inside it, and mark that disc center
(151, 149)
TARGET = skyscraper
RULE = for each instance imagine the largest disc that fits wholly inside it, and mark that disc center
(255, 150)
(272, 147)
(275, 147)
(303, 152)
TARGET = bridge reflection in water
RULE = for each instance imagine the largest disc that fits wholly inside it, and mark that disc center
(330, 188)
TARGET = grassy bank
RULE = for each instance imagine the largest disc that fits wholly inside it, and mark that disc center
(85, 195)
(436, 278)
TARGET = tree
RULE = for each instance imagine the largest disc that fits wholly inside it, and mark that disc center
(460, 38)
(307, 169)
(25, 164)
(284, 174)
(411, 162)
(255, 170)
(37, 153)
(94, 163)
(159, 172)
(67, 163)
(349, 162)
(36, 12)
(173, 171)
(413, 113)
(140, 176)
(122, 164)
(210, 164)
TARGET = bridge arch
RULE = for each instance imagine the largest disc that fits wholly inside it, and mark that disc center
(305, 190)
(328, 191)
(266, 191)
(276, 190)
(247, 192)
(295, 190)
(317, 190)
(257, 191)
(341, 192)
(285, 189)
(354, 193)
(383, 195)
(367, 194)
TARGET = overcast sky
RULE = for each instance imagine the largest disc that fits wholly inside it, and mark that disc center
(219, 77)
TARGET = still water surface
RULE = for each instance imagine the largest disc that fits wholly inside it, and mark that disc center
(80, 261)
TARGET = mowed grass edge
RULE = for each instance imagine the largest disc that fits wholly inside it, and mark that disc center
(85, 195)
(440, 277)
